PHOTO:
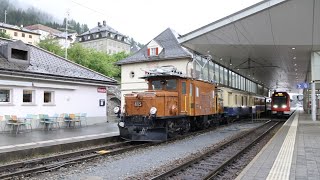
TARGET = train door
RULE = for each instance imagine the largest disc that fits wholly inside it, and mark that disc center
(191, 99)
(184, 98)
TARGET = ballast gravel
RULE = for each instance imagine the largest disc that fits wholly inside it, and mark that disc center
(141, 163)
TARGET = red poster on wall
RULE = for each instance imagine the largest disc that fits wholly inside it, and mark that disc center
(102, 89)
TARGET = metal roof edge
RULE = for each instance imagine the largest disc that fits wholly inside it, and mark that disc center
(256, 8)
(24, 75)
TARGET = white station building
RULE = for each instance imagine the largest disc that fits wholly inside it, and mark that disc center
(34, 81)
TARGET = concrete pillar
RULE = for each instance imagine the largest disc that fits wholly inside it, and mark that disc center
(315, 77)
(313, 101)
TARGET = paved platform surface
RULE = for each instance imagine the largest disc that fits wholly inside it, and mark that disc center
(38, 138)
(293, 153)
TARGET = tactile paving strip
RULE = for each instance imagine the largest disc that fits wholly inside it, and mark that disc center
(281, 166)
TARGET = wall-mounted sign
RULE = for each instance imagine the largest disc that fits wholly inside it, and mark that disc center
(102, 102)
(303, 85)
(102, 89)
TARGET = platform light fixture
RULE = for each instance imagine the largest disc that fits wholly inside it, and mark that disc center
(295, 64)
(294, 57)
(220, 59)
(293, 48)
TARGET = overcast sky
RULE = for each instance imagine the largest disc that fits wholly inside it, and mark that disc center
(143, 19)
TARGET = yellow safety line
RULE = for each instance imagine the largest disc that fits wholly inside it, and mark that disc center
(282, 165)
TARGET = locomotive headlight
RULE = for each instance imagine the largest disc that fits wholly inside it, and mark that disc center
(153, 110)
(116, 109)
(121, 124)
(275, 106)
(284, 106)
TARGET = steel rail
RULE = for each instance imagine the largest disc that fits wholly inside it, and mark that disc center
(216, 171)
(205, 155)
(72, 157)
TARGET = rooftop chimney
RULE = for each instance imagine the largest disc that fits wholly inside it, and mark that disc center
(99, 24)
(104, 23)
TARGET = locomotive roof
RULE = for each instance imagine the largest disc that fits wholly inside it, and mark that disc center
(163, 76)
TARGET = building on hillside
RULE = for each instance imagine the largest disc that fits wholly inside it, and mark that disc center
(35, 81)
(20, 33)
(105, 39)
(43, 30)
(48, 32)
(162, 50)
(71, 37)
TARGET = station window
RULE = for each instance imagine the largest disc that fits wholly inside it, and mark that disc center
(153, 51)
(48, 97)
(15, 33)
(28, 96)
(23, 35)
(5, 95)
(30, 36)
(131, 74)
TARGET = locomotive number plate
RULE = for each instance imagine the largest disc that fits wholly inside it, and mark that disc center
(138, 103)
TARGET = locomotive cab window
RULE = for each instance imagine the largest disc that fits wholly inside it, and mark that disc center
(156, 85)
(171, 84)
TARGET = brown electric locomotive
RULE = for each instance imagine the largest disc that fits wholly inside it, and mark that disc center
(173, 104)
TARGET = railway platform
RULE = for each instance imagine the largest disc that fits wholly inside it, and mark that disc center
(293, 153)
(15, 146)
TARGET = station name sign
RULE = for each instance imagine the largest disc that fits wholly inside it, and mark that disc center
(303, 85)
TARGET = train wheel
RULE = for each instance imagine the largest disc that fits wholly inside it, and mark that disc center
(170, 129)
(186, 126)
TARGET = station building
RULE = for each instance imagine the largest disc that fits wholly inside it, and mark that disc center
(35, 81)
(165, 50)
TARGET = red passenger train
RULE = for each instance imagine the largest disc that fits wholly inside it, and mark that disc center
(280, 104)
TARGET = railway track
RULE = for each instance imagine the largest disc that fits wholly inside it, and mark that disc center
(208, 165)
(50, 163)
(53, 162)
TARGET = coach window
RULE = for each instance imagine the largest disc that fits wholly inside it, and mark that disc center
(235, 100)
(171, 84)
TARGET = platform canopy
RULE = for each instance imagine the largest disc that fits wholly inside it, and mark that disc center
(270, 42)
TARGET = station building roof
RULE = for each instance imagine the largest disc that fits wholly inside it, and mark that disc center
(47, 66)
